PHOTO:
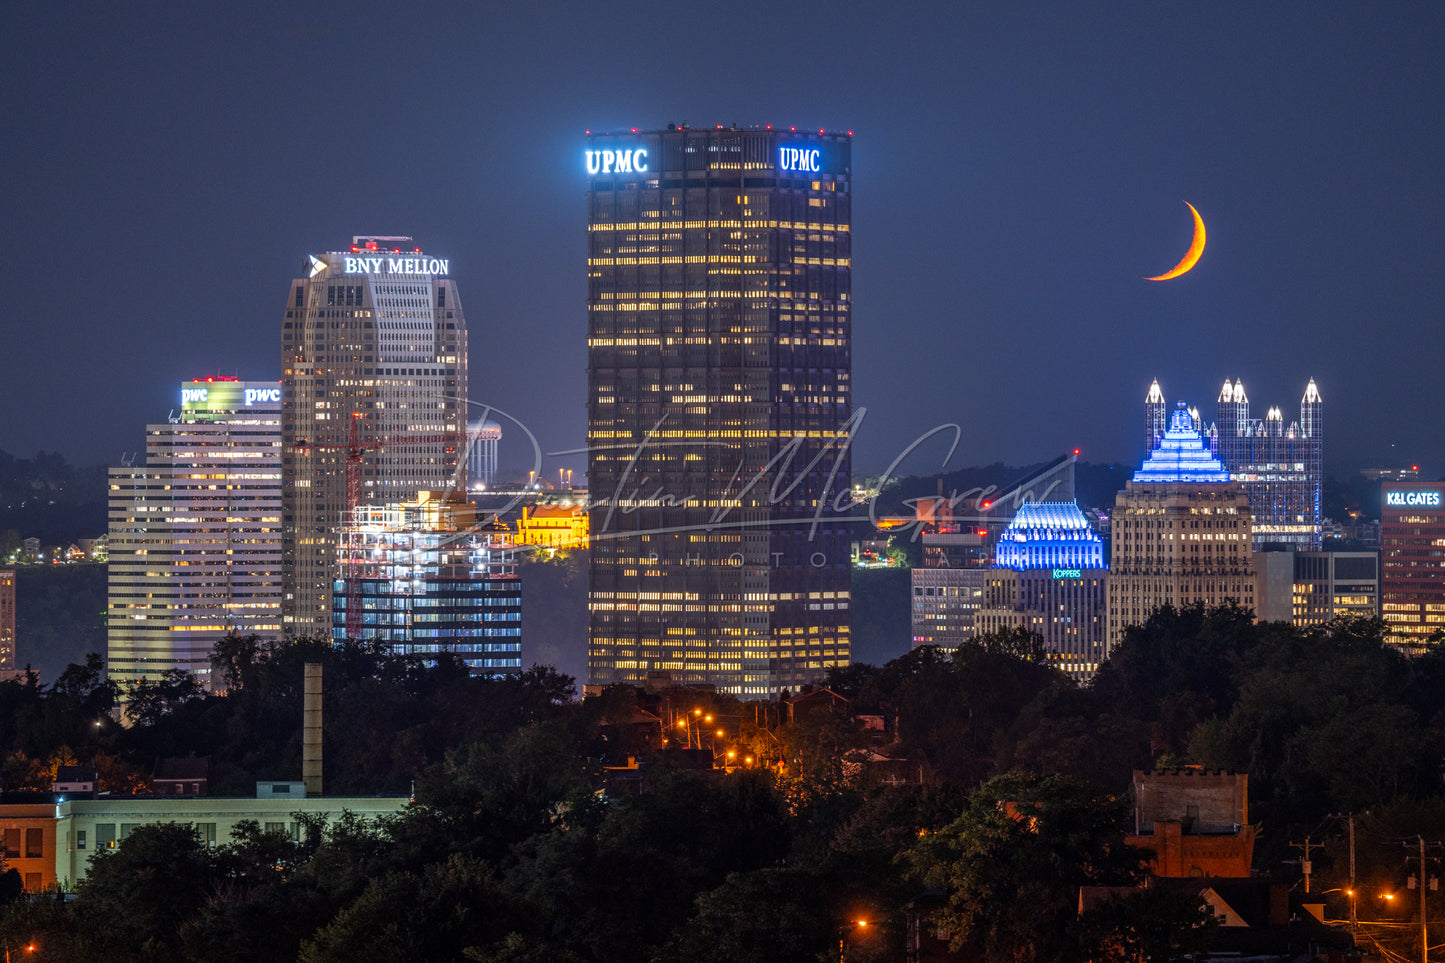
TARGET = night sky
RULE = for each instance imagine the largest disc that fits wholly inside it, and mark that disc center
(1018, 169)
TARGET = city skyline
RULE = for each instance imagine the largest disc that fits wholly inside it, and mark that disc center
(1028, 171)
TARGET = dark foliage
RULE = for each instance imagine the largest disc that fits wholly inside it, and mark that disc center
(523, 847)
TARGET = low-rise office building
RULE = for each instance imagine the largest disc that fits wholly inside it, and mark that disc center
(84, 826)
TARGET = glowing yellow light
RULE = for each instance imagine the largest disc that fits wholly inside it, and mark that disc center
(1191, 257)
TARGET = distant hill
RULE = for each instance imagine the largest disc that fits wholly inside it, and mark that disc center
(46, 497)
(59, 616)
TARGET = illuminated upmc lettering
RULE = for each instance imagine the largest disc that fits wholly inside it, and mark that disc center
(617, 161)
(1412, 499)
(799, 159)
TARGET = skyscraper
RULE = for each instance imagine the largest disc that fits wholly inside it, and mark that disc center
(1049, 577)
(1181, 532)
(720, 404)
(959, 534)
(195, 532)
(374, 396)
(1279, 465)
(1412, 560)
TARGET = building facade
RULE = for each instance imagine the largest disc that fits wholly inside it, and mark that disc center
(948, 588)
(423, 579)
(195, 533)
(81, 827)
(559, 524)
(1310, 589)
(1279, 465)
(719, 405)
(1181, 532)
(27, 825)
(1412, 559)
(1195, 822)
(373, 403)
(7, 623)
(1049, 577)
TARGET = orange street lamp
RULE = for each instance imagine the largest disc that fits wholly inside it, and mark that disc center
(843, 937)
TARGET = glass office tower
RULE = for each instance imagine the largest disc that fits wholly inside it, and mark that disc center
(720, 404)
(373, 403)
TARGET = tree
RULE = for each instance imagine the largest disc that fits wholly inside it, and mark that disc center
(136, 897)
(150, 700)
(437, 914)
(769, 915)
(1011, 866)
(1155, 923)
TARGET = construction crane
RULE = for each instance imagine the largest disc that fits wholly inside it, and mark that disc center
(356, 451)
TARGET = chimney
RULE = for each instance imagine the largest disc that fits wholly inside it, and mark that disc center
(311, 731)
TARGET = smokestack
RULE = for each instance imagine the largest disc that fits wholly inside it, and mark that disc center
(311, 731)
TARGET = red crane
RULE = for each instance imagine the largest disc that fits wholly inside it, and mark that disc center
(355, 452)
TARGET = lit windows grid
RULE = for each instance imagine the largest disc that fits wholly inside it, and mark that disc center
(718, 328)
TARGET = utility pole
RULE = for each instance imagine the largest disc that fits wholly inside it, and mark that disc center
(1352, 875)
(1425, 882)
(1424, 932)
(1305, 863)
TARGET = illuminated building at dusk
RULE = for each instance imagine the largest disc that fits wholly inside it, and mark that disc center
(560, 525)
(374, 396)
(425, 579)
(1412, 559)
(1049, 577)
(719, 401)
(1279, 465)
(959, 532)
(195, 533)
(1181, 532)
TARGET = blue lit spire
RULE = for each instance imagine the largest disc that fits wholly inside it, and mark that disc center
(1049, 535)
(1182, 455)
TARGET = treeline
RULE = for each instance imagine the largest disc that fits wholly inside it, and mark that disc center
(522, 845)
(386, 717)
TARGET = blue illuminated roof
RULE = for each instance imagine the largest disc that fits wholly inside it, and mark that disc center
(1049, 535)
(1182, 455)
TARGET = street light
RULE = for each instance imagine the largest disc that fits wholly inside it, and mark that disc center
(1351, 894)
(843, 937)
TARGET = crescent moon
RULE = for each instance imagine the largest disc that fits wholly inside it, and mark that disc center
(1191, 257)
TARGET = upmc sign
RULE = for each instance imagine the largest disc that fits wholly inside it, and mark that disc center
(1412, 499)
(617, 161)
(807, 159)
